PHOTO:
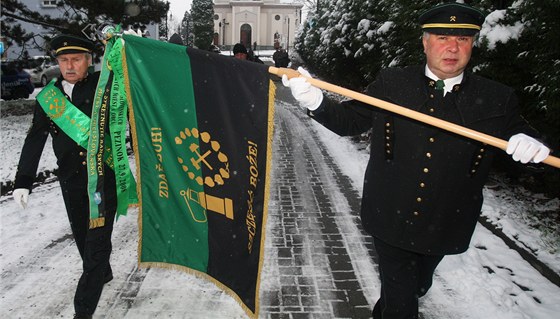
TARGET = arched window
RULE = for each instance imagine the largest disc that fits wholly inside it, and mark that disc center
(246, 35)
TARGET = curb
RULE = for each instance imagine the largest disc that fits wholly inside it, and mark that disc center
(541, 267)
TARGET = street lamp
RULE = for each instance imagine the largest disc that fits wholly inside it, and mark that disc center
(131, 9)
(223, 25)
(288, 42)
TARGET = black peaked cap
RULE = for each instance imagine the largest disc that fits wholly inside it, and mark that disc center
(452, 19)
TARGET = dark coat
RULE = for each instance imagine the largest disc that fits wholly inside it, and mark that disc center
(94, 245)
(71, 157)
(281, 58)
(423, 185)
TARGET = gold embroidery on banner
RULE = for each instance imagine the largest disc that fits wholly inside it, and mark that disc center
(216, 162)
(198, 160)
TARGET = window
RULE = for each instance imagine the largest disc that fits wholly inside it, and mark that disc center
(276, 17)
(216, 17)
(49, 3)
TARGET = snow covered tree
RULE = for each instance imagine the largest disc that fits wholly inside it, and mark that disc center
(75, 16)
(339, 39)
(202, 13)
(527, 57)
(521, 48)
(186, 29)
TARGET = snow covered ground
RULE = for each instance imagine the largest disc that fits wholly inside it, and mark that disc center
(488, 281)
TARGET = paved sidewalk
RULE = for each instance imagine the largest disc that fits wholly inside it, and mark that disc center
(315, 243)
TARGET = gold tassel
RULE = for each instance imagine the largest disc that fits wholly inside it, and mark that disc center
(97, 222)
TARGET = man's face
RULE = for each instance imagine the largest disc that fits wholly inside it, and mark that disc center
(447, 55)
(74, 66)
(241, 56)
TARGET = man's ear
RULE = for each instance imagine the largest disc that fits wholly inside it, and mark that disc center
(424, 42)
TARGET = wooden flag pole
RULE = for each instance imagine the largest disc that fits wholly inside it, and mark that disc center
(448, 126)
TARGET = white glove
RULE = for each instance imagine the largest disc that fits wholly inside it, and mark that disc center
(132, 32)
(20, 196)
(524, 148)
(306, 94)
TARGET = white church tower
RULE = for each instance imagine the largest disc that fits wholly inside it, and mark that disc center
(259, 24)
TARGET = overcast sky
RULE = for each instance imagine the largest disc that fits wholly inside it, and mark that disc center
(179, 7)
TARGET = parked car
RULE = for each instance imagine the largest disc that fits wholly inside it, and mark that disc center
(42, 69)
(16, 83)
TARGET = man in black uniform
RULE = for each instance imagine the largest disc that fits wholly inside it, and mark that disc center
(74, 94)
(281, 58)
(239, 51)
(423, 186)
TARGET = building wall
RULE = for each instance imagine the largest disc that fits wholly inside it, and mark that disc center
(265, 18)
(15, 51)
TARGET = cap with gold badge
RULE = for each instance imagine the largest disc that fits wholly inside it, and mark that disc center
(65, 44)
(452, 19)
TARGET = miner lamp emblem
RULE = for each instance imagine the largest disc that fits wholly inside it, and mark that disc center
(57, 106)
(213, 160)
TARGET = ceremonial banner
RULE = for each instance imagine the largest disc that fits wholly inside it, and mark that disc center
(202, 130)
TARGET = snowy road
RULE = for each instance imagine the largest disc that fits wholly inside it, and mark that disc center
(319, 264)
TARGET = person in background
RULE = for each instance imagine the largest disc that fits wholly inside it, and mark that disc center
(176, 39)
(252, 57)
(75, 93)
(281, 58)
(422, 193)
(239, 51)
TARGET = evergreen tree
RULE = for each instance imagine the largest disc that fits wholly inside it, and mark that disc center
(163, 29)
(339, 39)
(186, 29)
(402, 40)
(528, 61)
(541, 42)
(75, 16)
(202, 13)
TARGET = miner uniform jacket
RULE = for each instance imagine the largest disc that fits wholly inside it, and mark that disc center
(94, 245)
(71, 158)
(423, 185)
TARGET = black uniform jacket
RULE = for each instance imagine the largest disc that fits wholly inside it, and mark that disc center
(71, 157)
(423, 185)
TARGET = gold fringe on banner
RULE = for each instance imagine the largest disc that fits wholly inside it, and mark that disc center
(205, 276)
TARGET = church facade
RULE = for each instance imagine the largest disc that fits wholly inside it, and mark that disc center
(259, 24)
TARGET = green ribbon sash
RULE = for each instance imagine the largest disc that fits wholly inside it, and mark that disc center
(64, 114)
(107, 134)
(70, 119)
(76, 124)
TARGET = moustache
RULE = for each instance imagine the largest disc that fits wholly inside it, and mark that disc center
(70, 72)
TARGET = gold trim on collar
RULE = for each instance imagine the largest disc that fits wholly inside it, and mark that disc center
(451, 26)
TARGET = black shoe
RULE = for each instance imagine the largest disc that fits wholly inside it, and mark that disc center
(108, 277)
(82, 316)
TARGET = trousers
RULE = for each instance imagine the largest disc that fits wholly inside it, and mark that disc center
(94, 245)
(405, 277)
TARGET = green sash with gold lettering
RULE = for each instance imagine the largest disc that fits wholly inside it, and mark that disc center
(109, 114)
(64, 114)
(76, 124)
